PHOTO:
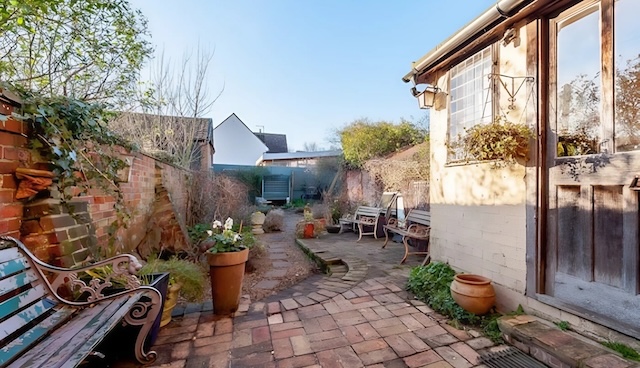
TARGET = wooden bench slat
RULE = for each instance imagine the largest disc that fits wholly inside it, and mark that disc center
(17, 281)
(24, 317)
(109, 324)
(21, 300)
(72, 342)
(26, 340)
(9, 254)
(13, 266)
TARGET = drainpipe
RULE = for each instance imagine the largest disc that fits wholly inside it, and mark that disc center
(503, 9)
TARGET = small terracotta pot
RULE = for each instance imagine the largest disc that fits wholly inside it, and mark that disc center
(308, 230)
(226, 272)
(474, 293)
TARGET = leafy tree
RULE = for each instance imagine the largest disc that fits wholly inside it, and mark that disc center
(363, 140)
(91, 50)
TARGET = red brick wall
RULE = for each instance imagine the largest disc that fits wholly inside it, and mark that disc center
(12, 155)
(155, 194)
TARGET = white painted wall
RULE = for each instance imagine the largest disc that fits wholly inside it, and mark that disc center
(235, 144)
(478, 222)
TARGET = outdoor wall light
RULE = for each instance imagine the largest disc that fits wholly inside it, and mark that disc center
(635, 183)
(430, 97)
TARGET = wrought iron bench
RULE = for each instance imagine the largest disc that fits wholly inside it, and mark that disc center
(41, 325)
(419, 226)
(364, 216)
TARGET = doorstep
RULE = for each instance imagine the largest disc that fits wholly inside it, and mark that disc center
(557, 348)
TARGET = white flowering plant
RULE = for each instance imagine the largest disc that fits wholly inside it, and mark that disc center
(225, 239)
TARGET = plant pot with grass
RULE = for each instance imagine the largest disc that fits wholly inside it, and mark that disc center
(186, 279)
(226, 258)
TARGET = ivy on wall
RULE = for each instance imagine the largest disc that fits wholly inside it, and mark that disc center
(72, 137)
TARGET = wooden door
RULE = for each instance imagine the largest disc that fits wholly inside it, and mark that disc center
(593, 155)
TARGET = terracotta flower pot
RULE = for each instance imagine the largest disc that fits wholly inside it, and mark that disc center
(226, 271)
(308, 230)
(473, 293)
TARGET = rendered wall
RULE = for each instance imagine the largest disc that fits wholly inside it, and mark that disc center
(235, 144)
(478, 212)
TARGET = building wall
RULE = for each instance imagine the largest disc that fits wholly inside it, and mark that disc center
(478, 211)
(235, 144)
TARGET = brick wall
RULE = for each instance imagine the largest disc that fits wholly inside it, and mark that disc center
(12, 155)
(154, 192)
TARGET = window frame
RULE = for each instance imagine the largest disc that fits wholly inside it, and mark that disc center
(453, 157)
(605, 11)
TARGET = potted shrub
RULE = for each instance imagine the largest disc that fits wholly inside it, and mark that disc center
(186, 279)
(226, 256)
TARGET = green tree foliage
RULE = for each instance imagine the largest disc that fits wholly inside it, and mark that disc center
(363, 140)
(90, 50)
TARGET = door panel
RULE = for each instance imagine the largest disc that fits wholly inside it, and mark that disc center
(608, 226)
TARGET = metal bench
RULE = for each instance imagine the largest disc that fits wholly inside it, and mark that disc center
(364, 216)
(419, 226)
(43, 325)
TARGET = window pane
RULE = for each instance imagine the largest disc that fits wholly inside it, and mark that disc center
(578, 80)
(469, 93)
(627, 99)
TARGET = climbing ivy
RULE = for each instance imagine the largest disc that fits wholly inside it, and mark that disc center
(72, 137)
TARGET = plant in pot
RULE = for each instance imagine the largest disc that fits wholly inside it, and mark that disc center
(227, 255)
(306, 228)
(186, 279)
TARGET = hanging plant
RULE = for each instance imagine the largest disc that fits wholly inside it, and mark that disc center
(500, 140)
(72, 137)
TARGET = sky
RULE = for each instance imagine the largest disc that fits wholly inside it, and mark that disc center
(306, 68)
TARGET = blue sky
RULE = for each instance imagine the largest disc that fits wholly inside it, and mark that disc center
(308, 67)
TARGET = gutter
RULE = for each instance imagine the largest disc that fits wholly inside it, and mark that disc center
(503, 9)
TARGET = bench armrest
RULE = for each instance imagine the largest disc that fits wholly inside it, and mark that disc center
(417, 230)
(93, 279)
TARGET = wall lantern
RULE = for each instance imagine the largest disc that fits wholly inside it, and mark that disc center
(431, 97)
(635, 183)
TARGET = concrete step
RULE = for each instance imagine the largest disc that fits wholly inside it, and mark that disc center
(556, 348)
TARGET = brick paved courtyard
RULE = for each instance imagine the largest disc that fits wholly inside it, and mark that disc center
(358, 316)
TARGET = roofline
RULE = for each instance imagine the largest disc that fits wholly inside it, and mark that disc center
(300, 154)
(243, 124)
(488, 20)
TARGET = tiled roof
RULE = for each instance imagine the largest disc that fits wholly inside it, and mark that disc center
(277, 143)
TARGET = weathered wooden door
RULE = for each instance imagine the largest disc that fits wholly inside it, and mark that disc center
(593, 155)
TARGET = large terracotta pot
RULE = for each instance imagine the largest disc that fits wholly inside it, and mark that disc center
(226, 271)
(473, 293)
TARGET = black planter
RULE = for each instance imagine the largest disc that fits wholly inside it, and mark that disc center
(160, 281)
(333, 229)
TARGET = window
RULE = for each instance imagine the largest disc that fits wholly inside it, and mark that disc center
(627, 78)
(597, 71)
(471, 95)
(578, 80)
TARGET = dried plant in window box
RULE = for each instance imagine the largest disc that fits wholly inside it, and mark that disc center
(500, 140)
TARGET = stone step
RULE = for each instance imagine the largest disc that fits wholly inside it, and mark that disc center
(557, 348)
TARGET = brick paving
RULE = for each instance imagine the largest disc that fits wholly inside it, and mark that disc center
(358, 316)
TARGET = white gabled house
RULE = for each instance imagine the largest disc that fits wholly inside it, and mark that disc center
(236, 144)
(560, 234)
